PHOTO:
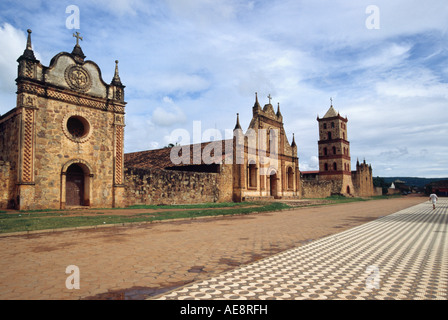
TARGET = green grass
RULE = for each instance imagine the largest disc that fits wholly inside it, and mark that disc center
(41, 220)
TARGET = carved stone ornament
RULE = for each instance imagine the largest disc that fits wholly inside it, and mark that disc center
(78, 78)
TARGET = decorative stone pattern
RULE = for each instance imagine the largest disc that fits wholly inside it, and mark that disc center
(78, 78)
(402, 256)
(29, 69)
(28, 146)
(70, 98)
(119, 155)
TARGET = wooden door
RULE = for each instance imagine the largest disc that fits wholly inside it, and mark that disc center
(273, 184)
(75, 186)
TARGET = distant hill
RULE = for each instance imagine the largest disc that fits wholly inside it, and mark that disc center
(413, 181)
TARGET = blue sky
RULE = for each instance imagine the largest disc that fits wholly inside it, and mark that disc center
(203, 60)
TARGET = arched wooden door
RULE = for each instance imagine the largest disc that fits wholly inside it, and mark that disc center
(75, 185)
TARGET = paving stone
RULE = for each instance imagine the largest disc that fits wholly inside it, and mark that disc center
(413, 241)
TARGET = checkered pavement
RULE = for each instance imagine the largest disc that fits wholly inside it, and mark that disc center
(399, 256)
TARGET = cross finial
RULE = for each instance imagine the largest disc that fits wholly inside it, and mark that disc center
(270, 98)
(78, 37)
(331, 99)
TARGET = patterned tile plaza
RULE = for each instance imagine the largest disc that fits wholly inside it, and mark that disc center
(400, 256)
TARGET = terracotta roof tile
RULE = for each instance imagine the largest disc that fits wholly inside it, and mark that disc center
(161, 158)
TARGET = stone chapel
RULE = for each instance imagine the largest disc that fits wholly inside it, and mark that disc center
(62, 145)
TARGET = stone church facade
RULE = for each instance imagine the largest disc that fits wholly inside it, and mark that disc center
(62, 146)
(63, 142)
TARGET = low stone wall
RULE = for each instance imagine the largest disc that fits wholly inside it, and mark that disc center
(316, 189)
(156, 187)
(392, 191)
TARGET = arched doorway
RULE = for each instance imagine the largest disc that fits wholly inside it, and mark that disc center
(75, 186)
(348, 189)
(252, 175)
(273, 183)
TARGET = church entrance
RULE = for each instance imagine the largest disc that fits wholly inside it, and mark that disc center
(75, 186)
(273, 184)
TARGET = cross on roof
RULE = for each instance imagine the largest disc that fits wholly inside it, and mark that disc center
(78, 37)
(270, 98)
(331, 99)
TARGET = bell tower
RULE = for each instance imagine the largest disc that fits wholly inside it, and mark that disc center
(334, 150)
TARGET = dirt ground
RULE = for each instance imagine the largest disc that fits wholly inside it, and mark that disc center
(138, 261)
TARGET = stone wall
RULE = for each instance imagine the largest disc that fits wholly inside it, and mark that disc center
(392, 191)
(5, 184)
(225, 183)
(156, 186)
(317, 189)
(9, 148)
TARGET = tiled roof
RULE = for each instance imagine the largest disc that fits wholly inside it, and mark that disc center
(331, 113)
(161, 158)
(309, 172)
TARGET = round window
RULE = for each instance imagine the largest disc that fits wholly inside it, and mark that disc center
(76, 128)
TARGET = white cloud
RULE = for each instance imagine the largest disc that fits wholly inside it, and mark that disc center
(14, 41)
(311, 165)
(124, 7)
(413, 87)
(169, 114)
(206, 12)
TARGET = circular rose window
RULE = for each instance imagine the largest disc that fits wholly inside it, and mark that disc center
(76, 128)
